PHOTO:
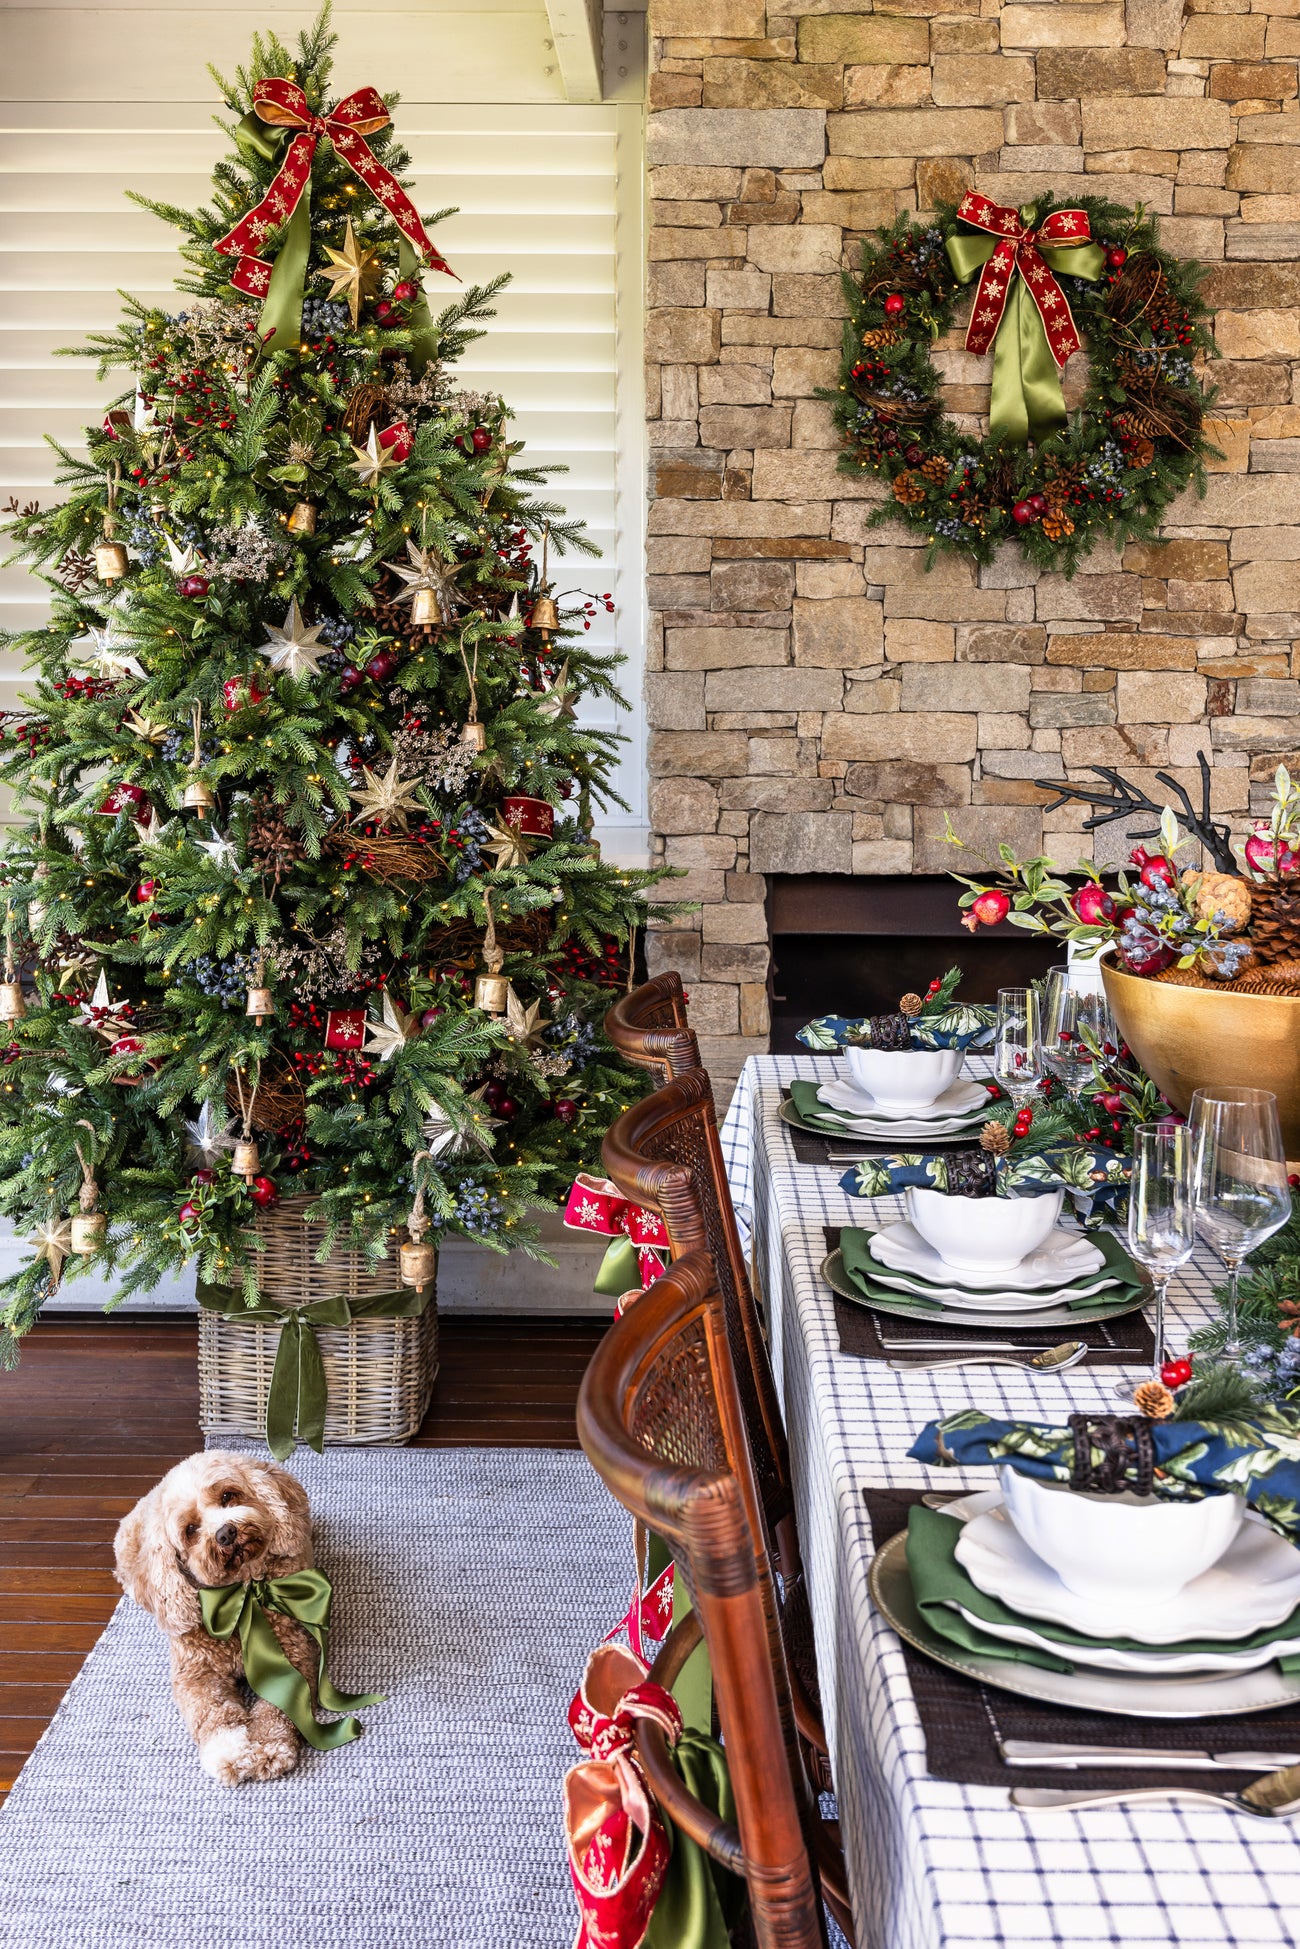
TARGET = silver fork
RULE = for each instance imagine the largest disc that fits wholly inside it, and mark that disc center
(1054, 1361)
(1274, 1797)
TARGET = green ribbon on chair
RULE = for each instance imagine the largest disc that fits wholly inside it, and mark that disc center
(305, 1597)
(1028, 352)
(700, 1902)
(619, 1271)
(297, 1398)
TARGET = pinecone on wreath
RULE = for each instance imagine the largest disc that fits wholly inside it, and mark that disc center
(1057, 525)
(880, 337)
(908, 489)
(936, 469)
(1275, 920)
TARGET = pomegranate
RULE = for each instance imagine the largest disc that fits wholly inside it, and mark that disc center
(1092, 904)
(1266, 855)
(990, 907)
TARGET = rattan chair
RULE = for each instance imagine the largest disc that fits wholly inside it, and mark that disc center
(649, 1027)
(664, 1154)
(660, 1419)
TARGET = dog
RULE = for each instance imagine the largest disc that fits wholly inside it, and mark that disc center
(221, 1518)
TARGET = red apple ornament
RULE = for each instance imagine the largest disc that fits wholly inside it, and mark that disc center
(264, 1193)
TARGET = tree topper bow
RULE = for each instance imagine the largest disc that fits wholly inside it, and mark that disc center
(1020, 309)
(280, 104)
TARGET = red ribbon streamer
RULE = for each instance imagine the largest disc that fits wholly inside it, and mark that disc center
(1018, 252)
(284, 105)
(596, 1205)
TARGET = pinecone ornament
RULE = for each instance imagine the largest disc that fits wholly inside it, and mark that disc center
(995, 1139)
(908, 489)
(272, 843)
(1275, 920)
(1056, 526)
(936, 469)
(1154, 1400)
(910, 1005)
(1219, 893)
(881, 337)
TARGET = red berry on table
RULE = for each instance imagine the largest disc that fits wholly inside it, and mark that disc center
(481, 439)
(895, 305)
(264, 1193)
(1116, 257)
(1176, 1373)
(1111, 1102)
(189, 1213)
(991, 907)
(404, 291)
(1022, 514)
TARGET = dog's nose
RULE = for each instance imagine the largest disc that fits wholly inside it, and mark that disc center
(227, 1536)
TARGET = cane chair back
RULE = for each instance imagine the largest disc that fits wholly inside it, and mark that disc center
(645, 1152)
(649, 1028)
(660, 1420)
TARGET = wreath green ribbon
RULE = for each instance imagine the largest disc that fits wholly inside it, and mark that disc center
(1027, 402)
(280, 324)
(306, 1597)
(297, 1398)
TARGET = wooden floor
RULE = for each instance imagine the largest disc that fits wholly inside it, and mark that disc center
(98, 1409)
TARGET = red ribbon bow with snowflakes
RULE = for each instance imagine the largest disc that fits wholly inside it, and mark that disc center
(640, 1246)
(283, 104)
(617, 1845)
(1019, 251)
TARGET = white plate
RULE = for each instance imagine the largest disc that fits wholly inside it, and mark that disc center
(899, 1133)
(1255, 1583)
(1155, 1664)
(985, 1301)
(957, 1100)
(1063, 1257)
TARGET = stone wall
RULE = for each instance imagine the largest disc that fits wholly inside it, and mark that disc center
(818, 702)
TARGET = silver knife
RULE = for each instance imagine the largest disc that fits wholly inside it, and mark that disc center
(962, 1346)
(1033, 1752)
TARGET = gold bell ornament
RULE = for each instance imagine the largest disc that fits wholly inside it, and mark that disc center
(111, 559)
(545, 613)
(424, 608)
(261, 1002)
(474, 735)
(12, 1005)
(198, 796)
(417, 1259)
(246, 1160)
(302, 519)
(89, 1227)
(491, 988)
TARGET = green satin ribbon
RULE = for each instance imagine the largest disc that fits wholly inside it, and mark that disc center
(1027, 402)
(305, 1597)
(619, 1271)
(280, 323)
(297, 1398)
(700, 1902)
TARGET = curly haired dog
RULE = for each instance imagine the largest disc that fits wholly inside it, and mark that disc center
(221, 1518)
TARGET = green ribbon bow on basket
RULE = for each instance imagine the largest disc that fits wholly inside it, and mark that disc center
(1021, 310)
(306, 1597)
(297, 1398)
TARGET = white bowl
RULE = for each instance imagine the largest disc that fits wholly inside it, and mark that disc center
(983, 1234)
(1127, 1545)
(903, 1079)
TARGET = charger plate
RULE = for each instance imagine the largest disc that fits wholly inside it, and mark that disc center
(832, 1271)
(1227, 1694)
(897, 1138)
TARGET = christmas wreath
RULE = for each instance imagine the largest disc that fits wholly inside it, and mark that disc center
(1049, 278)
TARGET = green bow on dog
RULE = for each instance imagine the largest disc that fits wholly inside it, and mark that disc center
(305, 1597)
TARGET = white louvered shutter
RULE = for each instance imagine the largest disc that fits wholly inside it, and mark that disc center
(113, 98)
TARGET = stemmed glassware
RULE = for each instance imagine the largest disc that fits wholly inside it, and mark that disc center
(1239, 1179)
(1161, 1213)
(1018, 1044)
(1075, 1016)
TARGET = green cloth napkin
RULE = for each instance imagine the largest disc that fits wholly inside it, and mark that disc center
(836, 1123)
(939, 1582)
(863, 1272)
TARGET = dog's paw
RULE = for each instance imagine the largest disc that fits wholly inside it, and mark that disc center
(272, 1756)
(229, 1756)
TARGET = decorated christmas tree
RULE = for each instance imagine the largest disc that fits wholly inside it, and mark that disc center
(304, 897)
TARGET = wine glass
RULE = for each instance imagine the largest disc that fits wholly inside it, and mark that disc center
(1161, 1213)
(1239, 1176)
(1018, 1044)
(1074, 1017)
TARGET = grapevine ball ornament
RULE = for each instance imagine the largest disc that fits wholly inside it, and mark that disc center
(1050, 279)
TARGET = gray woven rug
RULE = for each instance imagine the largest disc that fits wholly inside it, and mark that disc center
(469, 1586)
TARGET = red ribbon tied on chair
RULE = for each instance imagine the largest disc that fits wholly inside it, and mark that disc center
(640, 1245)
(616, 1842)
(283, 104)
(1018, 252)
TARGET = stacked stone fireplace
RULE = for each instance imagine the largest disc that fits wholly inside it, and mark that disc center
(819, 703)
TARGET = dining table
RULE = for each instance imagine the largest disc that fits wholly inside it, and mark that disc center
(941, 1861)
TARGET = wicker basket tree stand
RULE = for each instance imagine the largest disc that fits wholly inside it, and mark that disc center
(379, 1367)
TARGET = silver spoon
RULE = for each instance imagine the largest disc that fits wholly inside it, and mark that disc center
(1054, 1361)
(1275, 1797)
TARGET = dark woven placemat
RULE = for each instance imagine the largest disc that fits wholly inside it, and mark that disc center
(963, 1719)
(810, 1149)
(1125, 1342)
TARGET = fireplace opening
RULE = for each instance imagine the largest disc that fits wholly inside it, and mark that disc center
(852, 946)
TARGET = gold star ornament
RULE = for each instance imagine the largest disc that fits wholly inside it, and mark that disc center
(509, 847)
(386, 1037)
(446, 1138)
(385, 801)
(53, 1242)
(429, 584)
(293, 648)
(352, 270)
(372, 460)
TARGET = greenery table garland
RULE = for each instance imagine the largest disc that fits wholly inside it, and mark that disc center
(1051, 276)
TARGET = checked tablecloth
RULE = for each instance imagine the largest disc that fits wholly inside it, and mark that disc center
(932, 1863)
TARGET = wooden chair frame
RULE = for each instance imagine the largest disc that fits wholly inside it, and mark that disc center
(648, 1027)
(661, 1422)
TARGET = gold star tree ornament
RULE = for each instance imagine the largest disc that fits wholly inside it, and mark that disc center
(385, 801)
(372, 460)
(447, 1138)
(353, 271)
(430, 584)
(53, 1242)
(293, 647)
(386, 1037)
(508, 846)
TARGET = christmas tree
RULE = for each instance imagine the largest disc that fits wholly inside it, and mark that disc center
(305, 896)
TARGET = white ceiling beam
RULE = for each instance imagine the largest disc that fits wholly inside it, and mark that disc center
(577, 28)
